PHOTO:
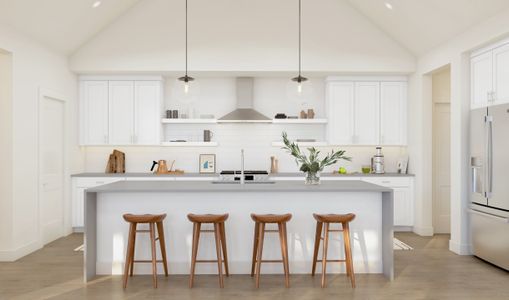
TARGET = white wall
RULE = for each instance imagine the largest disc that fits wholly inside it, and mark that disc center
(6, 163)
(243, 36)
(456, 53)
(34, 67)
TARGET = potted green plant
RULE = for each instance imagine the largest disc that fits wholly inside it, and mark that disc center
(310, 164)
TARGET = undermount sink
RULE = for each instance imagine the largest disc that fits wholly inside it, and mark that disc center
(246, 182)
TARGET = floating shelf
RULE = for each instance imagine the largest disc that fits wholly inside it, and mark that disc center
(303, 144)
(189, 144)
(189, 121)
(299, 121)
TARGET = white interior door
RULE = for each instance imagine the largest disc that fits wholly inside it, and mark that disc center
(51, 147)
(441, 168)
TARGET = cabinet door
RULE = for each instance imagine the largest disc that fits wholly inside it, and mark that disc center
(393, 113)
(366, 113)
(78, 207)
(340, 110)
(501, 74)
(94, 113)
(121, 94)
(147, 95)
(403, 208)
(481, 79)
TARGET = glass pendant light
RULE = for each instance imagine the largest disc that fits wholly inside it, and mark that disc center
(186, 79)
(299, 79)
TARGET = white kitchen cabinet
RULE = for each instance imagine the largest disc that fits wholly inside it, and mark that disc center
(366, 113)
(481, 73)
(79, 185)
(120, 112)
(501, 74)
(403, 198)
(369, 112)
(147, 95)
(393, 111)
(94, 112)
(340, 110)
(121, 117)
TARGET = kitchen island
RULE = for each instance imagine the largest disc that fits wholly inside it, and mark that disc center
(106, 231)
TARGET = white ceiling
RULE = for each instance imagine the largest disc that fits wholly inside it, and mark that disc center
(420, 25)
(63, 25)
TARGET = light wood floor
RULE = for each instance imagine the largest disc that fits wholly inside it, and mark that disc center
(428, 272)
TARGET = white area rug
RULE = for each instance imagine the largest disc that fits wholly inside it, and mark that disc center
(399, 245)
(80, 248)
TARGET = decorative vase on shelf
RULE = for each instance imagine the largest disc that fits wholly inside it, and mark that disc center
(312, 178)
(310, 164)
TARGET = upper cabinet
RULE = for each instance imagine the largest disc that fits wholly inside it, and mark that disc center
(371, 112)
(489, 76)
(94, 112)
(120, 112)
(393, 111)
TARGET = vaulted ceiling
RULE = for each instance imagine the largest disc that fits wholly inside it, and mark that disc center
(418, 25)
(421, 25)
(63, 25)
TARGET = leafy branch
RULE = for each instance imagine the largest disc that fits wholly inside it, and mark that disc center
(312, 163)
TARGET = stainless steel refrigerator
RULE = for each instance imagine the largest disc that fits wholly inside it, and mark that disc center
(489, 162)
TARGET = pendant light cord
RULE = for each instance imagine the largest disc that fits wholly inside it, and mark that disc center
(300, 16)
(186, 38)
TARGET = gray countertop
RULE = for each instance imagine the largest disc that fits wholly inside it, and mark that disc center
(139, 174)
(191, 175)
(206, 186)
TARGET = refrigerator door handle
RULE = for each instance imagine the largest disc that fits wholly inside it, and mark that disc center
(487, 215)
(489, 156)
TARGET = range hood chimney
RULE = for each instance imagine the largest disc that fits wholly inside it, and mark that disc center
(244, 112)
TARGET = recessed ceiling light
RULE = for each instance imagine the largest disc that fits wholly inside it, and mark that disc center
(388, 5)
(96, 4)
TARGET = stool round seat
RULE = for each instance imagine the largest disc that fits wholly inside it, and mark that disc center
(146, 218)
(334, 218)
(271, 218)
(207, 218)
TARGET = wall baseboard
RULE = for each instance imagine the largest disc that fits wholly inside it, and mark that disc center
(460, 249)
(13, 255)
(423, 231)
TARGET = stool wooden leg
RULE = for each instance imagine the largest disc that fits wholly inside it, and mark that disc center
(134, 250)
(196, 239)
(223, 244)
(217, 235)
(255, 248)
(153, 246)
(284, 251)
(348, 252)
(129, 252)
(162, 245)
(261, 235)
(318, 236)
(324, 255)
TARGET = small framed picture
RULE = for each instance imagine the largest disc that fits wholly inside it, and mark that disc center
(207, 163)
(402, 165)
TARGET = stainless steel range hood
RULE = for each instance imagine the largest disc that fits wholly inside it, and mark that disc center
(244, 112)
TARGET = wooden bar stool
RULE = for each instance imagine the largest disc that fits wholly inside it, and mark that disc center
(328, 219)
(152, 221)
(259, 234)
(220, 236)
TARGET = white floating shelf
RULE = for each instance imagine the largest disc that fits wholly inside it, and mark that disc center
(303, 144)
(189, 144)
(299, 121)
(189, 121)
